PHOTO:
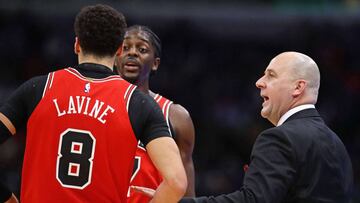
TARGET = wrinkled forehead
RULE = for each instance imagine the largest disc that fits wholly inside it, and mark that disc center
(137, 34)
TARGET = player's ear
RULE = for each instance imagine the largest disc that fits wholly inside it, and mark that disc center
(77, 46)
(117, 64)
(119, 51)
(156, 64)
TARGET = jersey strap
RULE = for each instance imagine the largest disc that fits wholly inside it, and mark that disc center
(164, 104)
(48, 84)
(145, 173)
(129, 91)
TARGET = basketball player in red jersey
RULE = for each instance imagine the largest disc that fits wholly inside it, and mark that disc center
(141, 56)
(84, 123)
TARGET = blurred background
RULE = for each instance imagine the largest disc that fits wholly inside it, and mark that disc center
(213, 53)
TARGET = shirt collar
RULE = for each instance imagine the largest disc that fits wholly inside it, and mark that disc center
(94, 70)
(293, 111)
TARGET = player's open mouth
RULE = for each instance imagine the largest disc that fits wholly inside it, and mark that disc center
(131, 66)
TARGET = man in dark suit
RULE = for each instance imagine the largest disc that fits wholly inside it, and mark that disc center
(301, 159)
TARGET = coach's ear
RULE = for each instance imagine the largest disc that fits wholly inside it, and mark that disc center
(77, 46)
(300, 86)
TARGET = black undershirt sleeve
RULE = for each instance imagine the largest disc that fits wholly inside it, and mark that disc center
(5, 193)
(146, 118)
(21, 103)
(17, 108)
(4, 133)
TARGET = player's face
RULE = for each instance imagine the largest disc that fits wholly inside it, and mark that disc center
(137, 58)
(276, 90)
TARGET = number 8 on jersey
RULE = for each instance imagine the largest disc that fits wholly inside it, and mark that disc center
(75, 155)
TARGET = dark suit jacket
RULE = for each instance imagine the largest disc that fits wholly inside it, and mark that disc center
(300, 161)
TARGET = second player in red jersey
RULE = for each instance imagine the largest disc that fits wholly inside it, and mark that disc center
(140, 57)
(145, 173)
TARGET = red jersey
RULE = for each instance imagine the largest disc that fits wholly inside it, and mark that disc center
(80, 145)
(145, 173)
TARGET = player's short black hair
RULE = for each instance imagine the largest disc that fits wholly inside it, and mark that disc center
(100, 29)
(154, 39)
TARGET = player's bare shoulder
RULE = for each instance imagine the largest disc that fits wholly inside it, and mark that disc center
(185, 139)
(179, 117)
(182, 124)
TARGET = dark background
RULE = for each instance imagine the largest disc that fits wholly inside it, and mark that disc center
(213, 53)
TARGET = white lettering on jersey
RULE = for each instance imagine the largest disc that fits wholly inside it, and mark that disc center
(71, 106)
(101, 118)
(57, 108)
(75, 106)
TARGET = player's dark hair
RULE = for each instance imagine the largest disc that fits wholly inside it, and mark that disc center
(100, 29)
(154, 39)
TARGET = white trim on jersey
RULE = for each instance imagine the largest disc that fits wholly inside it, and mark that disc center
(46, 85)
(155, 97)
(163, 108)
(52, 79)
(127, 90)
(128, 98)
(166, 112)
(138, 167)
(140, 146)
(158, 99)
(49, 78)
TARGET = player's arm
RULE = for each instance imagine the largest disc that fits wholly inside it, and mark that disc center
(151, 128)
(6, 128)
(185, 139)
(156, 147)
(15, 112)
(165, 155)
(6, 195)
(12, 199)
(19, 105)
(166, 158)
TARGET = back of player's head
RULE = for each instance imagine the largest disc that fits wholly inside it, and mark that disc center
(154, 39)
(100, 30)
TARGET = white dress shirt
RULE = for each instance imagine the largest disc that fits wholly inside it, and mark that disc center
(293, 111)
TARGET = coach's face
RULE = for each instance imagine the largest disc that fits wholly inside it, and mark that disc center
(276, 87)
(137, 58)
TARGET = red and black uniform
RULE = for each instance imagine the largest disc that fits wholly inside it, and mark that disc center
(83, 126)
(145, 174)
